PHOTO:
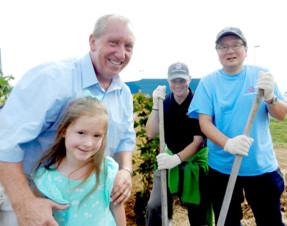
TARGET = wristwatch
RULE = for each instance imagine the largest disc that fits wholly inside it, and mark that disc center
(274, 101)
(129, 170)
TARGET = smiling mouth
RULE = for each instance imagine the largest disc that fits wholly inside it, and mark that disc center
(82, 150)
(231, 58)
(117, 63)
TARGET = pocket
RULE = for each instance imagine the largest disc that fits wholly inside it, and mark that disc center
(277, 182)
(280, 181)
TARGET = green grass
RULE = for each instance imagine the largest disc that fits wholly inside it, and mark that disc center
(278, 131)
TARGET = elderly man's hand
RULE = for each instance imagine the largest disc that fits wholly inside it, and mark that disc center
(37, 211)
(122, 187)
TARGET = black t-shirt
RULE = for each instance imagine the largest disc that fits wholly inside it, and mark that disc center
(179, 128)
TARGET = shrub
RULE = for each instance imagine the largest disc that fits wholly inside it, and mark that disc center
(149, 149)
(5, 88)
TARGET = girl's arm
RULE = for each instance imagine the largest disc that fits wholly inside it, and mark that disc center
(119, 214)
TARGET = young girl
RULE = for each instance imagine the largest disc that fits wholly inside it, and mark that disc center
(75, 171)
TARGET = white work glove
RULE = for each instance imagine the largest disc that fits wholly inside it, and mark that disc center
(238, 145)
(159, 92)
(267, 83)
(166, 161)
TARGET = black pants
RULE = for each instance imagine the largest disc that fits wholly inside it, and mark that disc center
(196, 213)
(262, 193)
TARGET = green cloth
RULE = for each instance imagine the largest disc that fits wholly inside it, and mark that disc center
(190, 193)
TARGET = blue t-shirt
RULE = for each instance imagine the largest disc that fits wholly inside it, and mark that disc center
(94, 210)
(228, 100)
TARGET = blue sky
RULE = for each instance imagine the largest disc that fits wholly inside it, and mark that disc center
(35, 31)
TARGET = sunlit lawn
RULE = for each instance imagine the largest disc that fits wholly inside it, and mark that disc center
(279, 132)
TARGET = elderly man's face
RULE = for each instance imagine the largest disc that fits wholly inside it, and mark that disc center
(112, 51)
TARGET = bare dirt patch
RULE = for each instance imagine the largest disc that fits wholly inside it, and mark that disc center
(180, 213)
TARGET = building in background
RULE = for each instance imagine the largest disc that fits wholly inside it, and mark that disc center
(147, 86)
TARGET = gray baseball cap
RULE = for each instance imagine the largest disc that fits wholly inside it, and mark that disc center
(231, 31)
(178, 70)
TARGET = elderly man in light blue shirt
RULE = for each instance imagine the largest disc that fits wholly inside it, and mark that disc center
(32, 113)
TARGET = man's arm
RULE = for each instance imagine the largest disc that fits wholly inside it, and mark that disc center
(192, 148)
(23, 201)
(152, 125)
(278, 111)
(166, 161)
(238, 145)
(210, 131)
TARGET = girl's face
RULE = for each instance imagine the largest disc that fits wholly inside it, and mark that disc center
(83, 139)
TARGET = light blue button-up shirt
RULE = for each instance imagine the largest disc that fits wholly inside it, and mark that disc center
(30, 117)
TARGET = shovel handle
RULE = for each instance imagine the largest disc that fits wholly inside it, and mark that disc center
(237, 161)
(163, 172)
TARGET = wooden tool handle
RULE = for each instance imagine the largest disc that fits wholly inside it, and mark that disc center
(163, 172)
(237, 161)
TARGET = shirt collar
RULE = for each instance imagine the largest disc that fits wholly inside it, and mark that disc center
(89, 77)
(115, 84)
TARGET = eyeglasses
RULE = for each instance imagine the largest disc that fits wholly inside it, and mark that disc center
(225, 48)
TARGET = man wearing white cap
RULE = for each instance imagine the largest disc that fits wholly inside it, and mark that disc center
(186, 154)
(222, 103)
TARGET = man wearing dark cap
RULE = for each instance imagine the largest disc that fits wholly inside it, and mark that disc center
(186, 154)
(222, 103)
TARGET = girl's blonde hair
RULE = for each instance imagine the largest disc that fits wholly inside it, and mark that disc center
(52, 158)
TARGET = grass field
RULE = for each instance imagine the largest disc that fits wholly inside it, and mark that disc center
(278, 131)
